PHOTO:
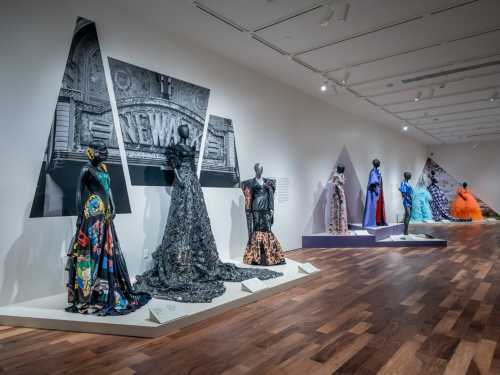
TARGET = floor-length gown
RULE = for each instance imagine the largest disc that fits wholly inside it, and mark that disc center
(263, 247)
(186, 266)
(374, 213)
(439, 203)
(421, 208)
(465, 206)
(338, 207)
(98, 280)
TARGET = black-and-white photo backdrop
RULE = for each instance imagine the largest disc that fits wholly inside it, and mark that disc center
(220, 161)
(82, 114)
(151, 106)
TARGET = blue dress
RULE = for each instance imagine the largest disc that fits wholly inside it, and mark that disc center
(421, 208)
(374, 214)
(407, 192)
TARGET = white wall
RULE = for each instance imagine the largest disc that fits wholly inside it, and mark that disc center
(476, 163)
(293, 135)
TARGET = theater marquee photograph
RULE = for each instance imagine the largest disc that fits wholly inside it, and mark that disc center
(151, 107)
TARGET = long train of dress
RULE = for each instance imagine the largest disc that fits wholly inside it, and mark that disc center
(186, 266)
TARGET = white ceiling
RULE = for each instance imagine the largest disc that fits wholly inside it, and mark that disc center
(446, 52)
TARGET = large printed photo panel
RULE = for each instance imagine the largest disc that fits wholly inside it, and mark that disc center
(82, 115)
(220, 161)
(151, 106)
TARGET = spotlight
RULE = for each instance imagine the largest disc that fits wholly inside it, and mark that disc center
(418, 97)
(345, 78)
(493, 97)
(329, 85)
(405, 128)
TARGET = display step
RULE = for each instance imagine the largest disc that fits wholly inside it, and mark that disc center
(48, 312)
(363, 238)
(380, 233)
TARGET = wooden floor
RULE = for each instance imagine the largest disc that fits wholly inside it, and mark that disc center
(379, 311)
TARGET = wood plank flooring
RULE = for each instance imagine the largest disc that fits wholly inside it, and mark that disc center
(373, 311)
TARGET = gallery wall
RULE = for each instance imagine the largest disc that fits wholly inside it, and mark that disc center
(477, 163)
(297, 138)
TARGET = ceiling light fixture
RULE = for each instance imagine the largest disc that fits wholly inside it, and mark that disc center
(405, 128)
(329, 85)
(345, 79)
(336, 10)
(418, 96)
(493, 97)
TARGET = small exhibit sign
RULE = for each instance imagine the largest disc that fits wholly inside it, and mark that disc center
(307, 268)
(253, 285)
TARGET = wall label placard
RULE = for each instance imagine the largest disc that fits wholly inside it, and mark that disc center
(162, 313)
(282, 189)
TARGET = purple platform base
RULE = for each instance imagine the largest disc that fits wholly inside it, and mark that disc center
(381, 233)
(364, 239)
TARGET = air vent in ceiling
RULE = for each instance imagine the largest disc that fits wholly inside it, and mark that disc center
(450, 72)
(218, 16)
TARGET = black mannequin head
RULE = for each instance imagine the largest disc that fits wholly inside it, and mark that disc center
(376, 163)
(97, 152)
(340, 168)
(407, 176)
(465, 185)
(258, 168)
(183, 131)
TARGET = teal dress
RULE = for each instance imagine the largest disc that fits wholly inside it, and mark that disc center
(421, 208)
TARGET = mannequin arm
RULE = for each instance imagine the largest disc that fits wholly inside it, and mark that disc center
(112, 208)
(79, 195)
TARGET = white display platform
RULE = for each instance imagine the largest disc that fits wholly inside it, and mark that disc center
(48, 312)
(411, 238)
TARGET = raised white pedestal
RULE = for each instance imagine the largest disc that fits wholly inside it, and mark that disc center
(167, 316)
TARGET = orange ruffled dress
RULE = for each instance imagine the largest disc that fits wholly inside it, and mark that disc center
(465, 206)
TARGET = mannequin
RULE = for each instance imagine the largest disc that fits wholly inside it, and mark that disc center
(98, 280)
(336, 209)
(263, 248)
(186, 266)
(465, 206)
(406, 193)
(374, 214)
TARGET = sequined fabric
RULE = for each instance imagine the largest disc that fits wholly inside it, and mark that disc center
(186, 266)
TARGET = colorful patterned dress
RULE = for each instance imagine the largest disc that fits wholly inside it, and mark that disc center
(263, 248)
(337, 223)
(98, 280)
(439, 203)
(186, 266)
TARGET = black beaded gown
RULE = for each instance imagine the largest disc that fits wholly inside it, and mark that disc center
(186, 266)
